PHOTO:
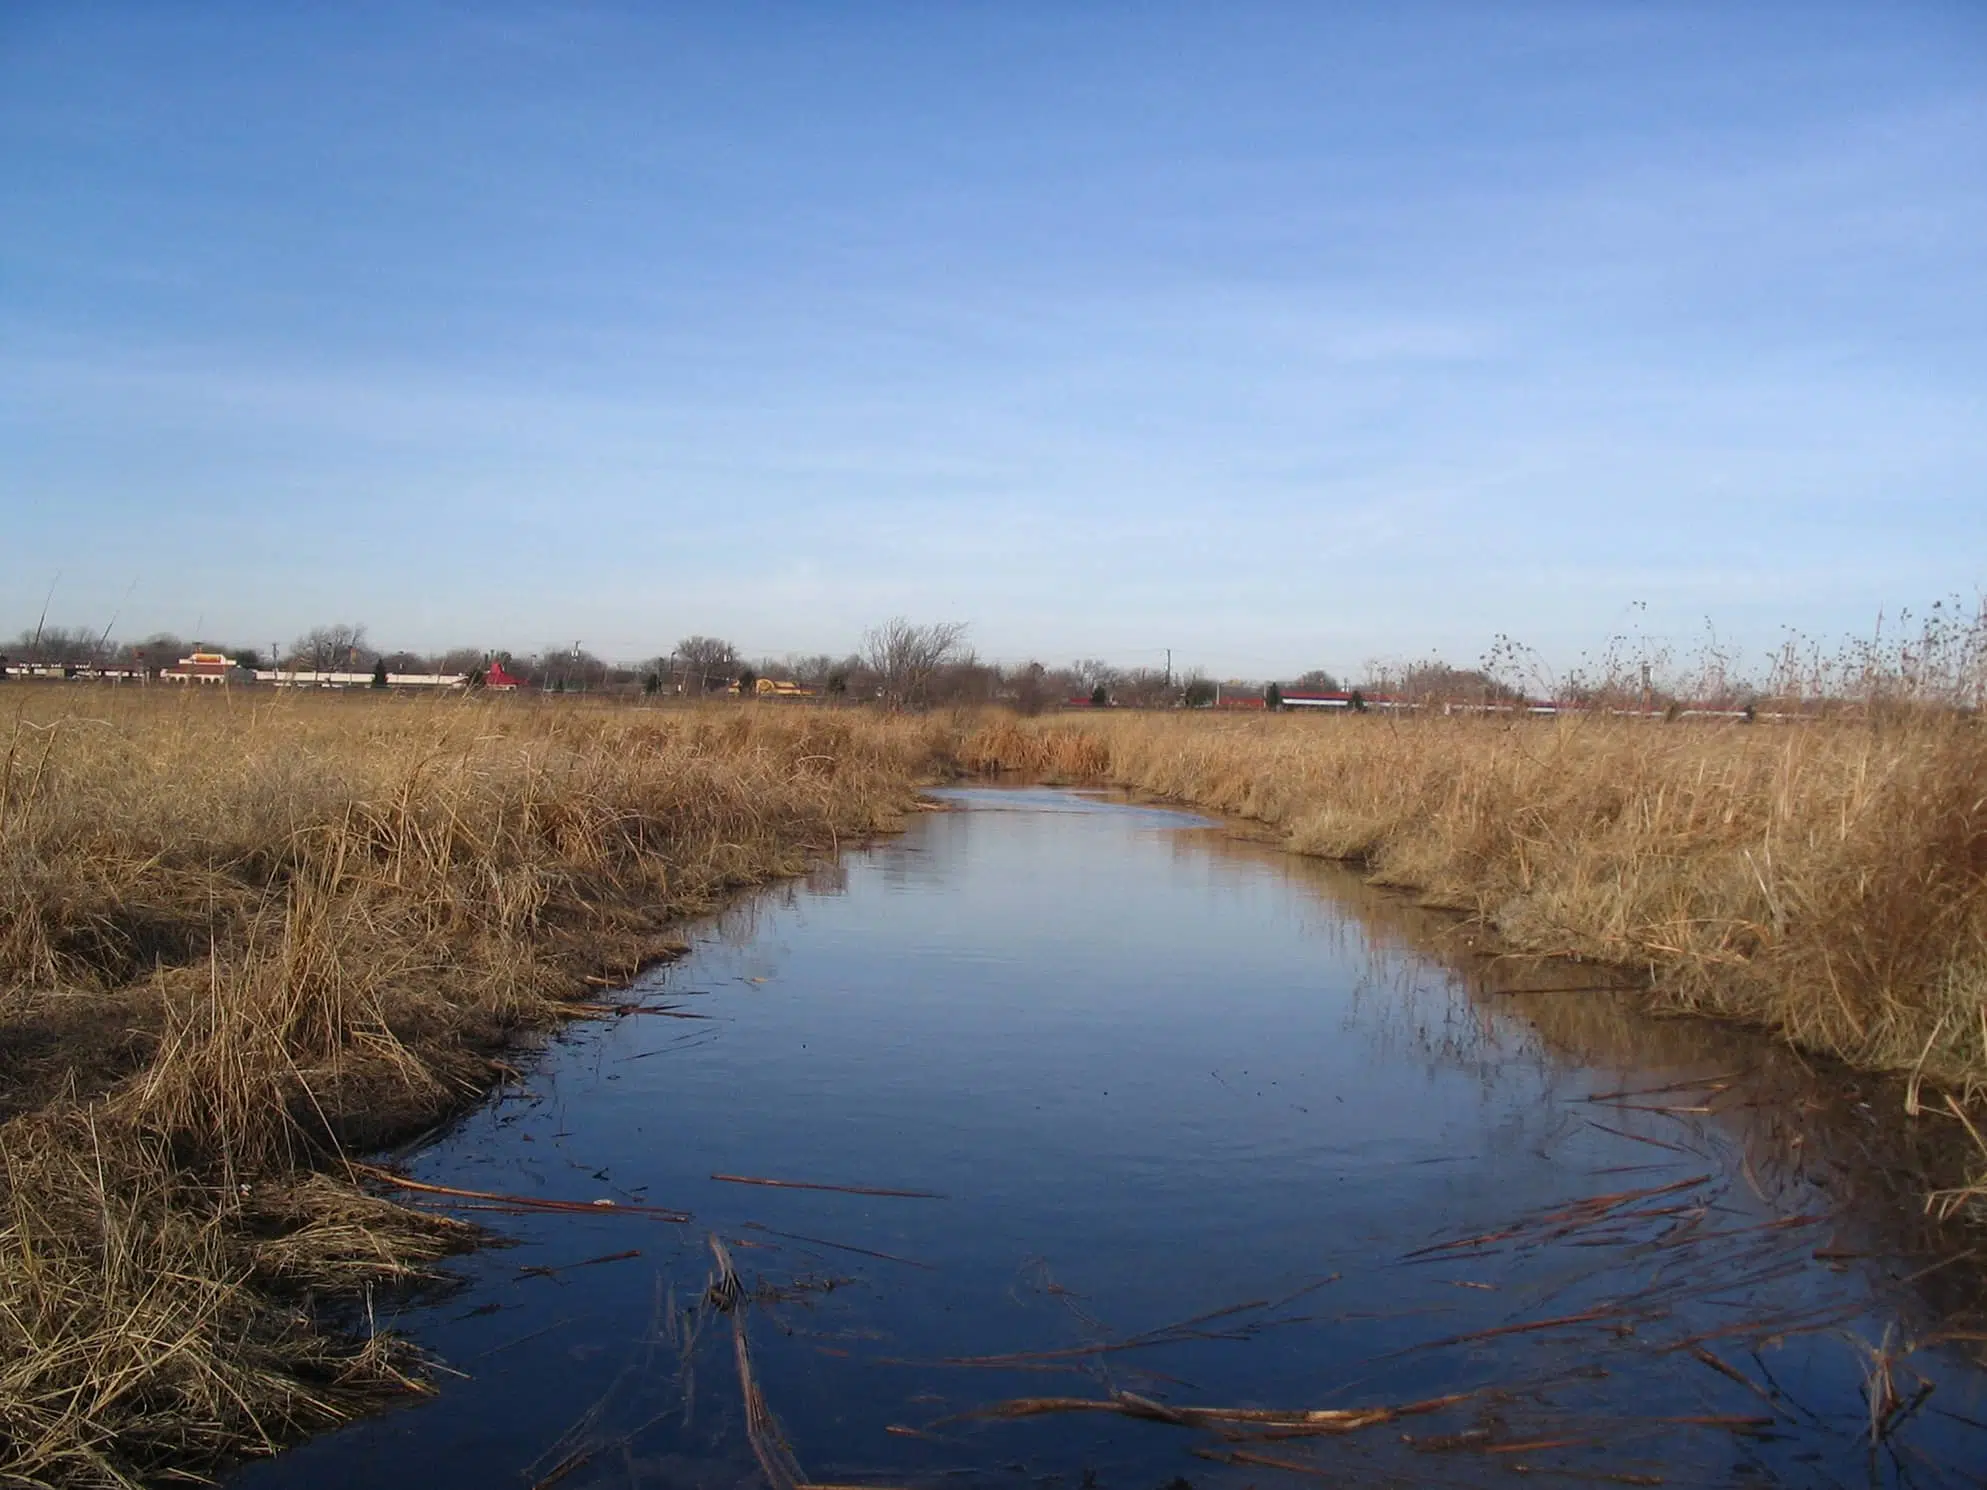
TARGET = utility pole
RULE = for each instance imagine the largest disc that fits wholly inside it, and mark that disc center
(1169, 667)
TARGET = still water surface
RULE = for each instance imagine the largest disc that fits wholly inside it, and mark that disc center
(1201, 1123)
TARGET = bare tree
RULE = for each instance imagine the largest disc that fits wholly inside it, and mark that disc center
(1032, 688)
(1146, 688)
(64, 644)
(708, 659)
(848, 678)
(1434, 681)
(588, 671)
(325, 649)
(160, 649)
(659, 675)
(570, 668)
(905, 658)
(810, 672)
(964, 680)
(1090, 671)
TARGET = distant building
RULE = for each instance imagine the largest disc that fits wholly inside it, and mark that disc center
(495, 677)
(780, 688)
(1305, 699)
(308, 678)
(207, 667)
(90, 672)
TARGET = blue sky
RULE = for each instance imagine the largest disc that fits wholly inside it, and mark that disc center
(1280, 335)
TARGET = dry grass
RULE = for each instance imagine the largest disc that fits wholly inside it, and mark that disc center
(1826, 881)
(246, 934)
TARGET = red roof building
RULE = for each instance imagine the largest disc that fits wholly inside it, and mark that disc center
(494, 676)
(202, 667)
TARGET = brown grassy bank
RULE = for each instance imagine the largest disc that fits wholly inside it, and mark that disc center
(243, 933)
(1827, 881)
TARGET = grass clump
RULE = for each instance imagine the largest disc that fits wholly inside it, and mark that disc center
(152, 1324)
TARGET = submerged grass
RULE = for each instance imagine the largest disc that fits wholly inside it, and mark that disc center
(246, 935)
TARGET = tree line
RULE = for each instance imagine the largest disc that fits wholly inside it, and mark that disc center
(1938, 657)
(900, 663)
(334, 648)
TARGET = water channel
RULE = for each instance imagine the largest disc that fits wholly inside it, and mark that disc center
(1196, 1131)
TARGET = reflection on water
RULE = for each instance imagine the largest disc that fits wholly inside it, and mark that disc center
(1205, 1134)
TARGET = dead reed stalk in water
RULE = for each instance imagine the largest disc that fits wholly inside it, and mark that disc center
(501, 1201)
(762, 1429)
(1297, 1422)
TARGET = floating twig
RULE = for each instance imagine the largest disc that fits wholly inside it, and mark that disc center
(1586, 1316)
(521, 1202)
(525, 1339)
(1534, 1445)
(613, 1011)
(1696, 1084)
(1675, 1148)
(1291, 1422)
(1263, 1461)
(563, 1468)
(543, 1271)
(1726, 1369)
(762, 1429)
(753, 1179)
(794, 1236)
(1568, 1218)
(725, 1290)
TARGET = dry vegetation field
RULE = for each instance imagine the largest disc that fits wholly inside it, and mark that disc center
(246, 935)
